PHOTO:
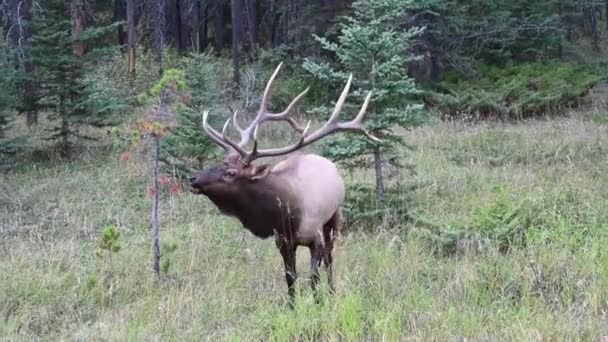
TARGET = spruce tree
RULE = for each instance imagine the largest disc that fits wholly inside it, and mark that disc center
(374, 46)
(60, 67)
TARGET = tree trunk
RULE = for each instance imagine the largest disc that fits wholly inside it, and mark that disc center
(202, 28)
(172, 23)
(195, 16)
(591, 20)
(78, 26)
(12, 26)
(120, 14)
(155, 234)
(378, 166)
(159, 32)
(218, 24)
(252, 23)
(273, 22)
(237, 34)
(19, 14)
(286, 22)
(131, 34)
(560, 13)
(184, 22)
(606, 13)
(65, 128)
(595, 35)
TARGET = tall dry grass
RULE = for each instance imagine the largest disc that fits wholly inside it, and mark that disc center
(415, 280)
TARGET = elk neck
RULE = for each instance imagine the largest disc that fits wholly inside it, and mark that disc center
(262, 207)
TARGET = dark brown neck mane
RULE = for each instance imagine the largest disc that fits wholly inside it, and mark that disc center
(260, 208)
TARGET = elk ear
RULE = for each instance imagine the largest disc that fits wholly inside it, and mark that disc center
(259, 172)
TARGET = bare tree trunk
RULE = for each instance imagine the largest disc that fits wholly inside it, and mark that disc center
(65, 128)
(155, 234)
(204, 21)
(184, 22)
(24, 36)
(606, 13)
(560, 12)
(218, 24)
(131, 34)
(286, 21)
(119, 13)
(78, 26)
(252, 23)
(591, 20)
(378, 163)
(378, 160)
(237, 34)
(595, 35)
(159, 32)
(273, 22)
(195, 19)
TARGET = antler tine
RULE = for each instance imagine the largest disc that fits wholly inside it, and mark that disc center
(220, 138)
(212, 133)
(235, 124)
(330, 127)
(264, 102)
(255, 154)
(263, 115)
(232, 144)
(284, 115)
(338, 108)
(356, 123)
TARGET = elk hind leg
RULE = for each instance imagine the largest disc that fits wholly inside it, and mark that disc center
(316, 253)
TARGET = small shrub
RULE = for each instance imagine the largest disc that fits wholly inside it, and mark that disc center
(361, 207)
(504, 220)
(109, 243)
(168, 249)
(101, 287)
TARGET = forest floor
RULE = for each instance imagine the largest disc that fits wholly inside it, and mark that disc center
(513, 247)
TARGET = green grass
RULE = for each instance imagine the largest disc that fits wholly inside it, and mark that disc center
(441, 276)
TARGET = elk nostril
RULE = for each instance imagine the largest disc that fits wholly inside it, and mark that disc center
(192, 179)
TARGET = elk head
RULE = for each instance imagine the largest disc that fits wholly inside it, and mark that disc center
(237, 168)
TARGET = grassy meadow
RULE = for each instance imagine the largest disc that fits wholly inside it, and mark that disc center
(506, 240)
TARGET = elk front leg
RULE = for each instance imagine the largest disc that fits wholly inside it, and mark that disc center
(288, 252)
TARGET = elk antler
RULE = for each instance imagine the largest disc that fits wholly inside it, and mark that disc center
(330, 127)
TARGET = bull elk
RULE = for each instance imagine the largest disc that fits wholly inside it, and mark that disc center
(297, 201)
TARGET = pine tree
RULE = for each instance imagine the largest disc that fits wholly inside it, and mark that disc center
(60, 65)
(374, 46)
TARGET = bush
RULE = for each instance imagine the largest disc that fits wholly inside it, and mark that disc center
(515, 91)
(362, 210)
(504, 220)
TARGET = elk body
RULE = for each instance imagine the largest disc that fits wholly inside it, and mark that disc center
(297, 201)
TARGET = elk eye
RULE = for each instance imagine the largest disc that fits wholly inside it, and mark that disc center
(231, 172)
